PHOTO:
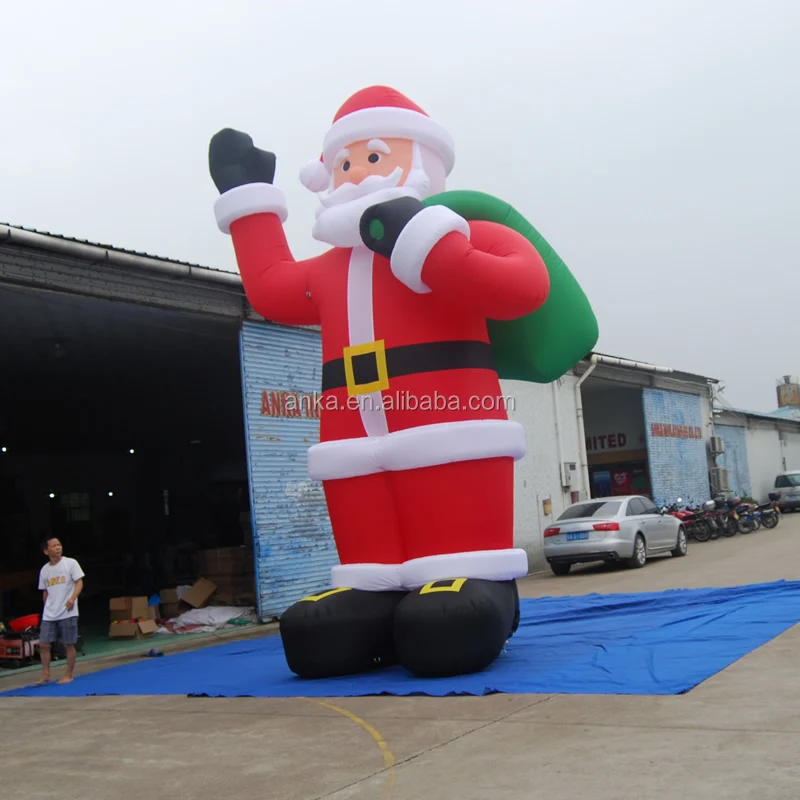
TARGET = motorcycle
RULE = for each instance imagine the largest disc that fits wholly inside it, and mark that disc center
(745, 512)
(726, 518)
(770, 513)
(696, 521)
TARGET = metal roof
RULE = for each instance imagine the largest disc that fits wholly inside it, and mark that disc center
(788, 412)
(33, 237)
(781, 415)
(646, 366)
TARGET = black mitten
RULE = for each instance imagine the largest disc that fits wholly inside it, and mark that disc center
(234, 160)
(382, 224)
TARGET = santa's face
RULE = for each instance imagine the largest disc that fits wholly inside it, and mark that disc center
(373, 157)
(366, 173)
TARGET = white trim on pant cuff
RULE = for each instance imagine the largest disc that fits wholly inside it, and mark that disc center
(368, 577)
(490, 565)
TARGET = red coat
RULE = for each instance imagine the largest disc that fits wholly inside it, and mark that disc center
(439, 402)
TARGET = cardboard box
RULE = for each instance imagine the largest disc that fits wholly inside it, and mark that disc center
(132, 630)
(222, 599)
(200, 593)
(232, 586)
(123, 609)
(172, 610)
(226, 561)
(168, 596)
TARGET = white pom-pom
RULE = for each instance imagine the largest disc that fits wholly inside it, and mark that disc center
(314, 176)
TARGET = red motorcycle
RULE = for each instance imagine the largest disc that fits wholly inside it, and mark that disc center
(697, 521)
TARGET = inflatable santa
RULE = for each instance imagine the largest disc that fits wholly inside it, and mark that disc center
(416, 452)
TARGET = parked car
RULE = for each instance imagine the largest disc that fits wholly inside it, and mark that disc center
(624, 529)
(788, 484)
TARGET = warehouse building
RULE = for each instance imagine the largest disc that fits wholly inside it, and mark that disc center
(121, 418)
(648, 430)
(759, 446)
(149, 417)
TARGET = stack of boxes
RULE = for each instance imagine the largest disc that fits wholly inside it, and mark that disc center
(231, 571)
(228, 580)
(132, 618)
(170, 604)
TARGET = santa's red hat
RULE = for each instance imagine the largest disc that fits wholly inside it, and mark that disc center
(374, 113)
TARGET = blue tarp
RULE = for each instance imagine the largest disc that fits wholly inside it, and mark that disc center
(659, 643)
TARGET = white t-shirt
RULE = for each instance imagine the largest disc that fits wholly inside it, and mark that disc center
(59, 580)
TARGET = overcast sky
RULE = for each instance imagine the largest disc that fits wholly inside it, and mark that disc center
(654, 144)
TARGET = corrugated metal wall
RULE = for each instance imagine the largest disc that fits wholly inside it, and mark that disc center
(294, 547)
(735, 458)
(676, 446)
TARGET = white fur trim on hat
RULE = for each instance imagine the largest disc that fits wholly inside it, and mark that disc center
(314, 176)
(388, 122)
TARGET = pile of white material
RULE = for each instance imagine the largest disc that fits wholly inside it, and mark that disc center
(211, 618)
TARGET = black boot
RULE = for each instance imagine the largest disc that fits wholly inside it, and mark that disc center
(455, 627)
(340, 632)
(516, 609)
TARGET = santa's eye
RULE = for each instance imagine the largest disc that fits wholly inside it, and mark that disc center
(374, 158)
(345, 166)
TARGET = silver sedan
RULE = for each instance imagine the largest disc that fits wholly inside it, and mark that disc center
(623, 529)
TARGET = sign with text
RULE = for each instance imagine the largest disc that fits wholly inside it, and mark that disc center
(614, 421)
(606, 441)
(665, 430)
(281, 403)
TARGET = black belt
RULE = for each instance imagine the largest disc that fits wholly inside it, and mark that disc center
(372, 366)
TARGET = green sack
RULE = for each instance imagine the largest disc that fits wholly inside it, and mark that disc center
(546, 344)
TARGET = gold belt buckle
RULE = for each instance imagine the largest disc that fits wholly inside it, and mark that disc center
(378, 349)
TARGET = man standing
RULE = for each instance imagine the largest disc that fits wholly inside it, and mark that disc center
(61, 581)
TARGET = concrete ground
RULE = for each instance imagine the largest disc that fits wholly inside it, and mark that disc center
(736, 736)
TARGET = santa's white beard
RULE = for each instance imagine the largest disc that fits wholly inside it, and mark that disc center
(340, 211)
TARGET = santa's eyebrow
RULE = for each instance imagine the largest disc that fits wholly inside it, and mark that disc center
(378, 144)
(340, 156)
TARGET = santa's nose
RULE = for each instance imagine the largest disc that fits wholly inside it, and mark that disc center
(357, 174)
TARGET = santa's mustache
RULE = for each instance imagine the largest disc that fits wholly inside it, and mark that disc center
(353, 191)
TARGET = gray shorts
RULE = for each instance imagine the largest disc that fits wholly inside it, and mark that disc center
(67, 628)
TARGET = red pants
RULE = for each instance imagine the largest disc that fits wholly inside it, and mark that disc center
(394, 517)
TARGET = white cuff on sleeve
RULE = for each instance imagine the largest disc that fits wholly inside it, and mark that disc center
(251, 198)
(418, 238)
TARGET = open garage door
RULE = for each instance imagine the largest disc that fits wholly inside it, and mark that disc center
(616, 442)
(646, 440)
(121, 433)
